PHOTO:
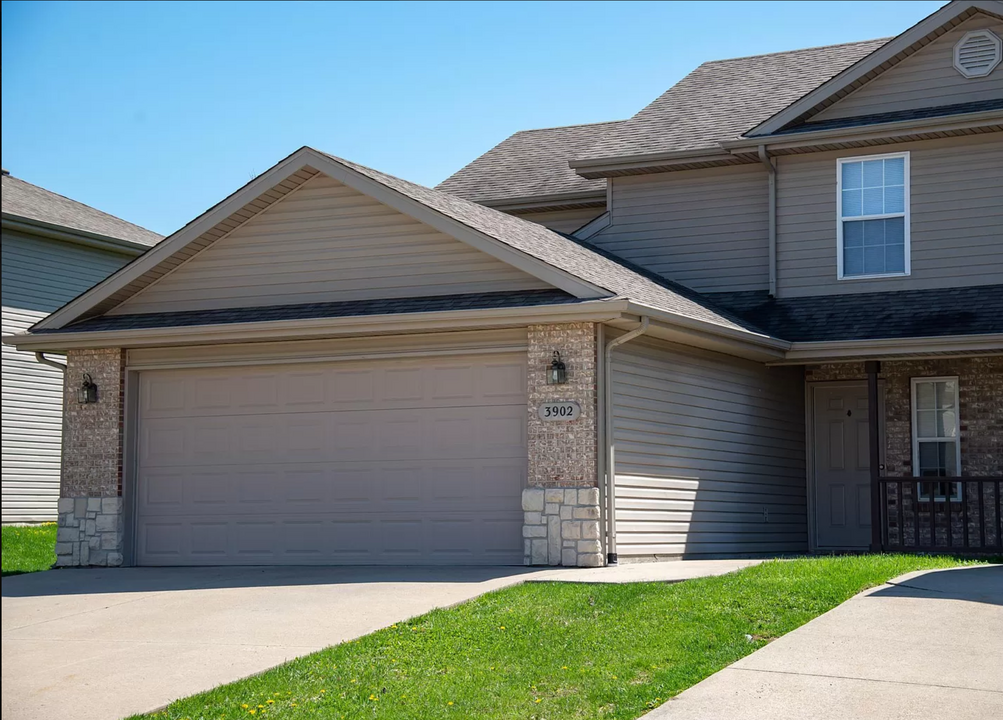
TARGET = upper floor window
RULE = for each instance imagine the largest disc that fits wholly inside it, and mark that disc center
(872, 204)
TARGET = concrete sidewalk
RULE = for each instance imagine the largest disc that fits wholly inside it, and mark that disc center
(926, 645)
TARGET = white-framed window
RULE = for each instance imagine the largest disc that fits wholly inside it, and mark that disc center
(936, 436)
(872, 216)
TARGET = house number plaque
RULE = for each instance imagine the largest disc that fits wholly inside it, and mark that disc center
(552, 411)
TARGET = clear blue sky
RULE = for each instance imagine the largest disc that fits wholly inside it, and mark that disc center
(156, 111)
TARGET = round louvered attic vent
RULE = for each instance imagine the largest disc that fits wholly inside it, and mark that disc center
(977, 54)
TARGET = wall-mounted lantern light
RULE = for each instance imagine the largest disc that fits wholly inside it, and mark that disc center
(557, 373)
(88, 391)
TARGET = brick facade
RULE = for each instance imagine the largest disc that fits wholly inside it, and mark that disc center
(90, 503)
(980, 407)
(561, 504)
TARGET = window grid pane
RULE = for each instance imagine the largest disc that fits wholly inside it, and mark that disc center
(868, 188)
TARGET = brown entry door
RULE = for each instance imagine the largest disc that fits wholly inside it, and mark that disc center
(842, 468)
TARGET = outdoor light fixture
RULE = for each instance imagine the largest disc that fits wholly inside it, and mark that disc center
(557, 373)
(88, 392)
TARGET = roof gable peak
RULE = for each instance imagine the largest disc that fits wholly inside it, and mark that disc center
(877, 62)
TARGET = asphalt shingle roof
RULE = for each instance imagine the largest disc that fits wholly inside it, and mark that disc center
(723, 99)
(351, 308)
(872, 316)
(25, 200)
(529, 163)
(559, 251)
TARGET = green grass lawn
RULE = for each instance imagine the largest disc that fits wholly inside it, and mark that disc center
(554, 650)
(28, 548)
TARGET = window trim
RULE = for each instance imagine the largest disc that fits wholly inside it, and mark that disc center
(916, 441)
(907, 215)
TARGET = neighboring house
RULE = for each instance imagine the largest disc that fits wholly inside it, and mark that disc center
(781, 307)
(53, 249)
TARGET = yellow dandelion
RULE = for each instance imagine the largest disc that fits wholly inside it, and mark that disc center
(450, 702)
(324, 691)
(501, 627)
(353, 680)
(245, 706)
(537, 700)
(270, 701)
(564, 667)
(373, 697)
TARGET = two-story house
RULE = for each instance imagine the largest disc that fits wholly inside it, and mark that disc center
(764, 315)
(54, 248)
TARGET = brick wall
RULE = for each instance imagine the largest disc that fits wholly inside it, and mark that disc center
(561, 504)
(90, 504)
(562, 454)
(980, 407)
(980, 380)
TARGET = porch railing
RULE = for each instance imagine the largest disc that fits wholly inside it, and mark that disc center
(962, 515)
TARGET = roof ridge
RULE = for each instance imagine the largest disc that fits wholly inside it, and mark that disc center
(796, 50)
(565, 127)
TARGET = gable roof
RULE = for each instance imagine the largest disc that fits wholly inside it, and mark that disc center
(530, 164)
(867, 68)
(555, 258)
(23, 200)
(722, 99)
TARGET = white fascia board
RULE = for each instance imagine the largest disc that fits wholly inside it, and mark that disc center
(848, 350)
(584, 199)
(593, 168)
(700, 333)
(594, 227)
(62, 233)
(602, 310)
(883, 54)
(178, 240)
(454, 228)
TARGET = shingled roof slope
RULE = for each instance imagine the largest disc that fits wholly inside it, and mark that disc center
(723, 99)
(22, 199)
(873, 316)
(529, 163)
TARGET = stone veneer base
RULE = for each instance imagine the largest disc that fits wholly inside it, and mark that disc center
(561, 527)
(89, 532)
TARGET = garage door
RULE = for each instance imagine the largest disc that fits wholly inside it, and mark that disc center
(410, 462)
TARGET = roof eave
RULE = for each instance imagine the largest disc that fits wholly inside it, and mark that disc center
(711, 336)
(801, 353)
(277, 330)
(53, 231)
(654, 162)
(554, 201)
(987, 119)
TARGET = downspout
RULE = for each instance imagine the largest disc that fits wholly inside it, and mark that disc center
(764, 157)
(40, 357)
(611, 557)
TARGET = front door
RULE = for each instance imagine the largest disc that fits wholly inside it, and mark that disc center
(842, 467)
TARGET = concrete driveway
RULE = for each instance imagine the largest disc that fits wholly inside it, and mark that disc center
(926, 645)
(109, 643)
(104, 644)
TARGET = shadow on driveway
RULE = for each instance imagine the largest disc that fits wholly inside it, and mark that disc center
(981, 584)
(91, 581)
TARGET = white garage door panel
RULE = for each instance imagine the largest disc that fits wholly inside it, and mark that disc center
(403, 462)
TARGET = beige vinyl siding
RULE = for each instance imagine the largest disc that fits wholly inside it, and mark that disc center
(565, 221)
(39, 276)
(925, 79)
(956, 224)
(710, 454)
(326, 242)
(707, 229)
